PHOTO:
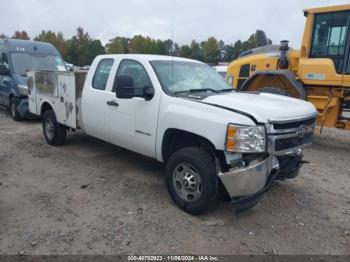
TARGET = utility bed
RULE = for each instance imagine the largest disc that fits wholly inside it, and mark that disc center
(62, 89)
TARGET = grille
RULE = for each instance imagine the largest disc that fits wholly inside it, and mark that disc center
(308, 122)
(290, 142)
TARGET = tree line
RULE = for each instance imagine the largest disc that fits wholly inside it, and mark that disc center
(81, 49)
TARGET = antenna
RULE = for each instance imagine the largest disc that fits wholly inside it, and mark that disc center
(172, 62)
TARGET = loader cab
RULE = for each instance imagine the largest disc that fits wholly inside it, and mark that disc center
(330, 38)
(325, 47)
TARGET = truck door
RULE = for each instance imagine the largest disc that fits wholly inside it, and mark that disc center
(132, 122)
(93, 102)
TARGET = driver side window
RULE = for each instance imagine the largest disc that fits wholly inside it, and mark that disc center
(136, 71)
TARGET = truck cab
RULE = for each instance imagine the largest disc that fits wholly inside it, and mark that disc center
(16, 58)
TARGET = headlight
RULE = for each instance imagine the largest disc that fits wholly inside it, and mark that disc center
(23, 90)
(245, 139)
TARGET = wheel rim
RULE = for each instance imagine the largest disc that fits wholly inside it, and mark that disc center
(13, 110)
(187, 182)
(49, 129)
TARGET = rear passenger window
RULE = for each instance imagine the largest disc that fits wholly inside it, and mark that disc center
(102, 73)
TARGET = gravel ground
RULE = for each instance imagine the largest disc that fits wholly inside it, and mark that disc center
(89, 197)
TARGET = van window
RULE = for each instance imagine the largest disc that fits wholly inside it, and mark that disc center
(23, 62)
(329, 37)
(102, 73)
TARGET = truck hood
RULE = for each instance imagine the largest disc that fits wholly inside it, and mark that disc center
(264, 107)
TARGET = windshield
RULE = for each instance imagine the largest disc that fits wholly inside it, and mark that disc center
(223, 74)
(181, 77)
(22, 62)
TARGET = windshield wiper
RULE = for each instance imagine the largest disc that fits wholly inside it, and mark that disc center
(226, 90)
(196, 90)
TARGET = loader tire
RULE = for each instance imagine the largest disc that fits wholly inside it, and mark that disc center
(55, 133)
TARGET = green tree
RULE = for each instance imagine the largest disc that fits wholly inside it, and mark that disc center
(82, 49)
(21, 35)
(56, 39)
(141, 45)
(94, 48)
(211, 51)
(3, 36)
(250, 43)
(117, 45)
(196, 51)
(185, 51)
(160, 47)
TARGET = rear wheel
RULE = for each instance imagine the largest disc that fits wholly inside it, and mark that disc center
(55, 133)
(13, 109)
(191, 179)
(273, 90)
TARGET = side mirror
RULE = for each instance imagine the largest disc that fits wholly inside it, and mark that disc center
(4, 71)
(148, 92)
(125, 89)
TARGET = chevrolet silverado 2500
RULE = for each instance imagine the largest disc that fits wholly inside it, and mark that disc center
(213, 140)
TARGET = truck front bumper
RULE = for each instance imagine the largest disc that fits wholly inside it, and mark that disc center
(246, 185)
(242, 182)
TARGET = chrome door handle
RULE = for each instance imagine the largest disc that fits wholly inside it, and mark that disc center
(112, 103)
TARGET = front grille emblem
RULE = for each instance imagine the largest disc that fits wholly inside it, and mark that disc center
(301, 131)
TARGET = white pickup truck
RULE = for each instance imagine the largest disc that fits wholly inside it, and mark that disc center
(213, 140)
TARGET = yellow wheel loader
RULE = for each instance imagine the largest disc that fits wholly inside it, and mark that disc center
(319, 72)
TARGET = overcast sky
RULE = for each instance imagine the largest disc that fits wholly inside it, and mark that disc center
(228, 20)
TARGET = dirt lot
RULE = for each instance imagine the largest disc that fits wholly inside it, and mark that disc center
(89, 197)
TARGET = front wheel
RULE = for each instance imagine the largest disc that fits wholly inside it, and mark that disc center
(14, 111)
(55, 133)
(191, 179)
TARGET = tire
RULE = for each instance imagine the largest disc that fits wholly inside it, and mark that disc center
(13, 110)
(55, 133)
(273, 90)
(191, 180)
